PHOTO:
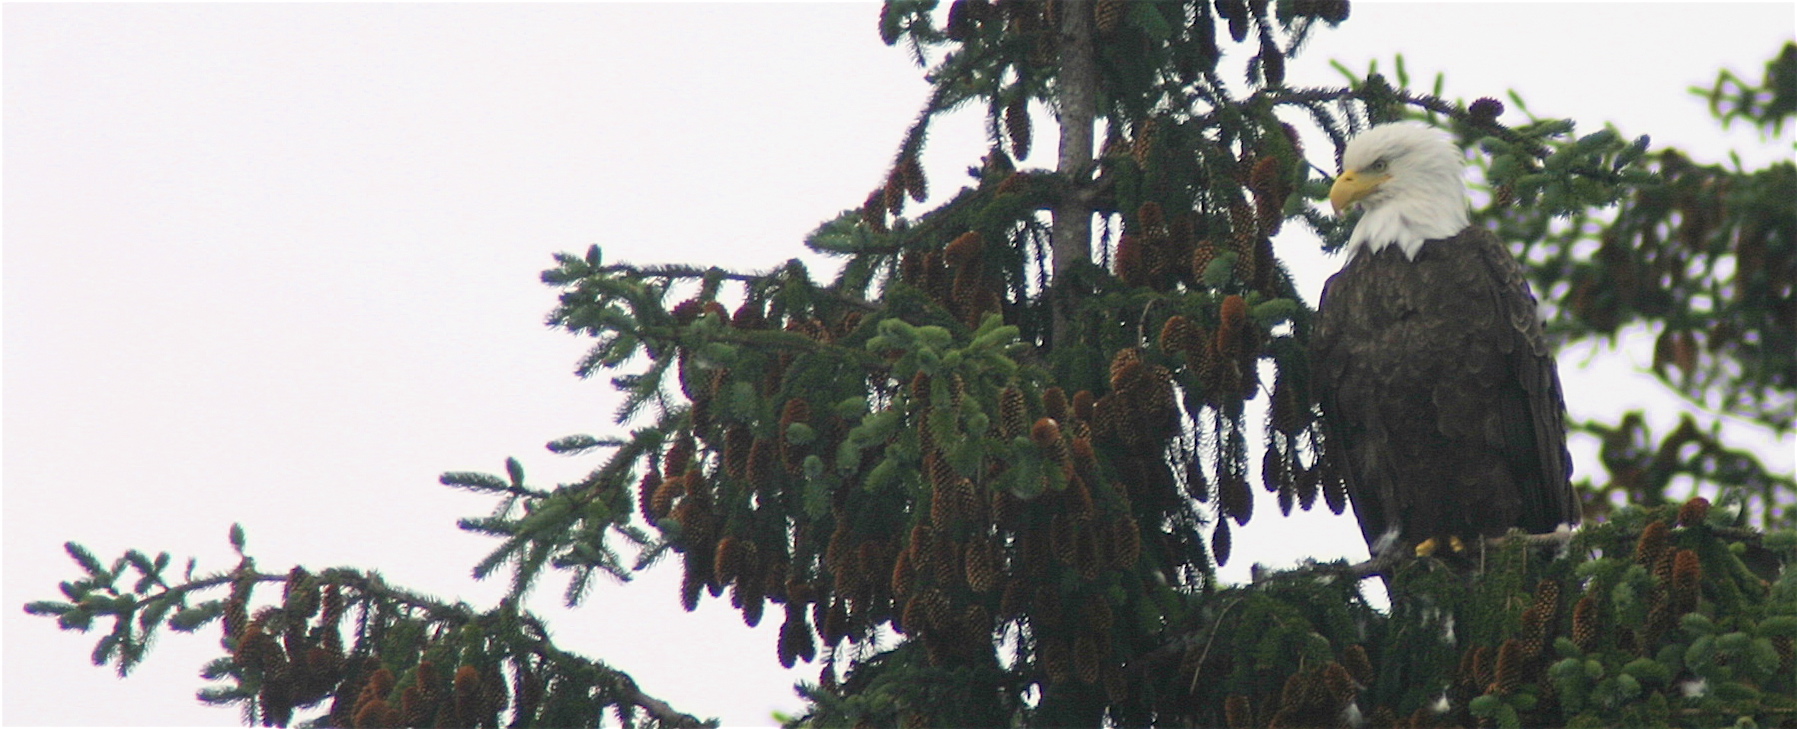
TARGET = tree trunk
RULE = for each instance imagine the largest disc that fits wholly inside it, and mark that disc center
(1076, 95)
(1072, 704)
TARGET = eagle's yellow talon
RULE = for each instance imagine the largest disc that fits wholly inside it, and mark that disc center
(1427, 547)
(1459, 546)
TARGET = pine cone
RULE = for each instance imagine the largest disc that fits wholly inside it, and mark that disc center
(787, 646)
(937, 611)
(1012, 414)
(1219, 542)
(902, 575)
(1126, 542)
(873, 211)
(1176, 334)
(1233, 317)
(961, 23)
(493, 695)
(1335, 488)
(728, 561)
(1017, 125)
(1143, 144)
(662, 502)
(964, 250)
(1652, 543)
(1236, 714)
(836, 622)
(467, 695)
(1485, 111)
(1052, 652)
(691, 581)
(1288, 413)
(1236, 12)
(679, 456)
(1272, 62)
(1354, 659)
(1088, 552)
(746, 596)
(981, 566)
(1085, 658)
(1547, 599)
(1003, 508)
(1202, 254)
(922, 547)
(1010, 602)
(1584, 624)
(1126, 367)
(1274, 470)
(1084, 408)
(976, 623)
(1046, 434)
(893, 195)
(1693, 512)
(1510, 660)
(1244, 235)
(1339, 683)
(912, 173)
(1054, 403)
(1062, 538)
(377, 713)
(1305, 482)
(947, 562)
(645, 494)
(1132, 260)
(1108, 14)
(1687, 572)
(1236, 498)
(1787, 654)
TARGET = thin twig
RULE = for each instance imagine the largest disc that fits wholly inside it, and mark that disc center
(1198, 669)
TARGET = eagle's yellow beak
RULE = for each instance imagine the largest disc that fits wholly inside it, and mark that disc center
(1352, 186)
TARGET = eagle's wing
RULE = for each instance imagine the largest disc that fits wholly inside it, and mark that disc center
(1330, 357)
(1441, 401)
(1535, 425)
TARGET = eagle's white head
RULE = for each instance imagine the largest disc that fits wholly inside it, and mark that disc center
(1407, 177)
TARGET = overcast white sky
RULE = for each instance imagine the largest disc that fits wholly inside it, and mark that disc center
(277, 264)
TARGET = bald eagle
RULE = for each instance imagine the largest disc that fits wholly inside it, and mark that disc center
(1441, 401)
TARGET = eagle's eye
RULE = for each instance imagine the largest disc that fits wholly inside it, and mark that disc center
(1378, 165)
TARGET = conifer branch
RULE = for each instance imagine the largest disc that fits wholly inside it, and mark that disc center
(378, 598)
(1309, 97)
(688, 271)
(624, 687)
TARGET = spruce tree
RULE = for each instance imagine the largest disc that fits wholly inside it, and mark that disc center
(983, 472)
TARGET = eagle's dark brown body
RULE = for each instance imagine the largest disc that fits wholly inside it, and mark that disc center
(1440, 396)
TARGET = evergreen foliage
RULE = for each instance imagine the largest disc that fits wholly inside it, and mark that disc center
(1624, 627)
(408, 659)
(1703, 252)
(981, 482)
